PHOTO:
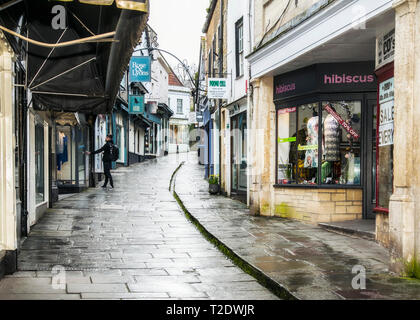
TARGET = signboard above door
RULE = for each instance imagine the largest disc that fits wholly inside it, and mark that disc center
(385, 49)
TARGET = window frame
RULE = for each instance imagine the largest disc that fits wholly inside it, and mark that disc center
(319, 98)
(239, 54)
(177, 106)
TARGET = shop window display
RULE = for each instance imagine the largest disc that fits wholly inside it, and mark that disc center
(385, 123)
(71, 144)
(318, 149)
(298, 144)
(341, 143)
(39, 164)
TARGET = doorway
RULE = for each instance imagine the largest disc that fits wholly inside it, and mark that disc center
(239, 154)
(369, 194)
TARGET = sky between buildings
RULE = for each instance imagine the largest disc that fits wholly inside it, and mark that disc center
(178, 24)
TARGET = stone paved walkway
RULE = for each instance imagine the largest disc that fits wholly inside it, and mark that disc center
(133, 242)
(310, 262)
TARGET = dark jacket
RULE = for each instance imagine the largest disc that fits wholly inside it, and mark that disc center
(106, 149)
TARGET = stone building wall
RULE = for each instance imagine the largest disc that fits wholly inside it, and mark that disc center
(270, 15)
(404, 216)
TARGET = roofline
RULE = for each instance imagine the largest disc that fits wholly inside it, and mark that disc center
(209, 16)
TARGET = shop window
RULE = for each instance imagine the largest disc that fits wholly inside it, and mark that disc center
(314, 148)
(63, 150)
(71, 145)
(179, 106)
(341, 143)
(385, 151)
(81, 143)
(118, 134)
(298, 144)
(39, 164)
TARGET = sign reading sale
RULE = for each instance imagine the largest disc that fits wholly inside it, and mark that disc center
(386, 113)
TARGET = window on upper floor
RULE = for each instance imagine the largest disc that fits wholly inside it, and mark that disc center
(209, 70)
(214, 66)
(179, 106)
(239, 47)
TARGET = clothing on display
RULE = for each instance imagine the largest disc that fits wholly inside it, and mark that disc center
(311, 156)
(62, 154)
(331, 147)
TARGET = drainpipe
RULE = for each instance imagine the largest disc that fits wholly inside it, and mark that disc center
(220, 102)
(91, 137)
(248, 111)
(24, 170)
(197, 83)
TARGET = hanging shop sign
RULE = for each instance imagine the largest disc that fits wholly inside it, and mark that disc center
(386, 113)
(136, 105)
(192, 118)
(199, 116)
(218, 88)
(385, 48)
(140, 69)
(326, 78)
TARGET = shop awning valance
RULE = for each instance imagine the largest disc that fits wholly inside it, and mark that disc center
(138, 5)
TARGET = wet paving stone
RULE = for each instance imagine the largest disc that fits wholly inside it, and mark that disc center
(133, 242)
(308, 261)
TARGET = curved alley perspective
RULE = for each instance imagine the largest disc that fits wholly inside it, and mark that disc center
(234, 150)
(126, 245)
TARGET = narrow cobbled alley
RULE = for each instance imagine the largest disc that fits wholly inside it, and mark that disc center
(133, 242)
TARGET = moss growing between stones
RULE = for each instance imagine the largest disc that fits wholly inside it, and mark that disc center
(248, 268)
(412, 268)
(265, 208)
(282, 210)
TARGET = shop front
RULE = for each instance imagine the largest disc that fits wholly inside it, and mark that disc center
(121, 135)
(38, 173)
(325, 142)
(384, 189)
(101, 131)
(71, 144)
(238, 150)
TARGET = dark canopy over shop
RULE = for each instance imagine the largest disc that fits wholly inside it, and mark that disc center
(78, 78)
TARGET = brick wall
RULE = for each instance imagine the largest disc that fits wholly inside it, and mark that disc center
(212, 32)
(317, 205)
(268, 12)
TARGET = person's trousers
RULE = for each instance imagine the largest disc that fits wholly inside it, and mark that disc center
(107, 172)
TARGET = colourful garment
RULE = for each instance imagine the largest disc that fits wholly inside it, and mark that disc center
(331, 150)
(311, 156)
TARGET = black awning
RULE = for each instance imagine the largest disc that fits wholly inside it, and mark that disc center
(79, 78)
(164, 110)
(144, 122)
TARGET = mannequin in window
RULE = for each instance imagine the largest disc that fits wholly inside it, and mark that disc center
(311, 156)
(331, 138)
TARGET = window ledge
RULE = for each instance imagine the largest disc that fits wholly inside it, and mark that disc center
(308, 186)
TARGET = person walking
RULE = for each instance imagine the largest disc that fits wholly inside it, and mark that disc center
(109, 153)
